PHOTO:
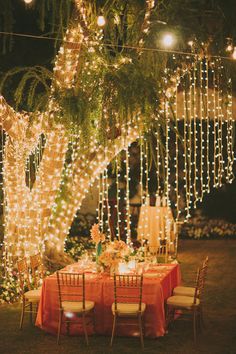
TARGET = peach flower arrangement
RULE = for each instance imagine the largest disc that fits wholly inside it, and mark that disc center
(96, 235)
(114, 253)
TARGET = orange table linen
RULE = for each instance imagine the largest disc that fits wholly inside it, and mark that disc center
(158, 285)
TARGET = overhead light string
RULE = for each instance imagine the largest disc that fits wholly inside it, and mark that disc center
(138, 48)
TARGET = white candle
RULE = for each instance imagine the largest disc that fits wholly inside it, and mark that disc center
(132, 264)
(123, 268)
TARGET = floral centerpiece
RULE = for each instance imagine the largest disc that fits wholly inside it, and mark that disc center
(115, 252)
(97, 237)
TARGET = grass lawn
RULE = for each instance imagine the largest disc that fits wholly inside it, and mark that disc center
(219, 335)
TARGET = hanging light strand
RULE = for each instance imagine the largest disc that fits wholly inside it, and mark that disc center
(176, 152)
(207, 125)
(214, 125)
(167, 152)
(195, 137)
(186, 180)
(128, 218)
(201, 108)
(141, 169)
(189, 138)
(118, 197)
(108, 210)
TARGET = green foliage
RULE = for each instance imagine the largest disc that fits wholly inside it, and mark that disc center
(204, 228)
(76, 246)
(9, 287)
(33, 88)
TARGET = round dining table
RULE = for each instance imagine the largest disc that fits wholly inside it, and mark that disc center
(158, 283)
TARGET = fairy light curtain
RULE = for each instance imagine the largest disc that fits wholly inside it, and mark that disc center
(193, 149)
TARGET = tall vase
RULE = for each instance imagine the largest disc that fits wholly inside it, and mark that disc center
(98, 250)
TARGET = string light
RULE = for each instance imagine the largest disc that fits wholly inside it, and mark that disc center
(195, 137)
(53, 217)
(128, 221)
(234, 54)
(118, 197)
(168, 40)
(101, 21)
(176, 152)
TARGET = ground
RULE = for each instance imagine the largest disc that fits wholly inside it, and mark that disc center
(219, 336)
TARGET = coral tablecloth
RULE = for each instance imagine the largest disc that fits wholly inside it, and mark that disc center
(99, 288)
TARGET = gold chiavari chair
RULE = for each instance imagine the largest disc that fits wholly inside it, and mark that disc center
(37, 269)
(162, 252)
(128, 301)
(190, 304)
(71, 292)
(188, 290)
(29, 297)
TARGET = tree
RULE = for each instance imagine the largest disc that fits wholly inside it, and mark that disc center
(106, 88)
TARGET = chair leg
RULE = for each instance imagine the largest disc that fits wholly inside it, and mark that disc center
(31, 313)
(68, 328)
(201, 319)
(36, 312)
(141, 330)
(170, 315)
(94, 320)
(59, 326)
(85, 328)
(22, 313)
(113, 330)
(195, 325)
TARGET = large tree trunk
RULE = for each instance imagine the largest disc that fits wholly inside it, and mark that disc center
(28, 211)
(35, 219)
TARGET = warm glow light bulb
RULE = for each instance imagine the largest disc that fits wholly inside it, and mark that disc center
(168, 40)
(229, 48)
(234, 54)
(28, 1)
(101, 21)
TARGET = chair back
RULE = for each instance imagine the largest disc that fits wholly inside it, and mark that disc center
(202, 277)
(161, 252)
(128, 289)
(200, 281)
(37, 269)
(71, 287)
(23, 274)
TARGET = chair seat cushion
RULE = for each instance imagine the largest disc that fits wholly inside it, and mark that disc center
(182, 301)
(184, 291)
(77, 306)
(128, 309)
(33, 295)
